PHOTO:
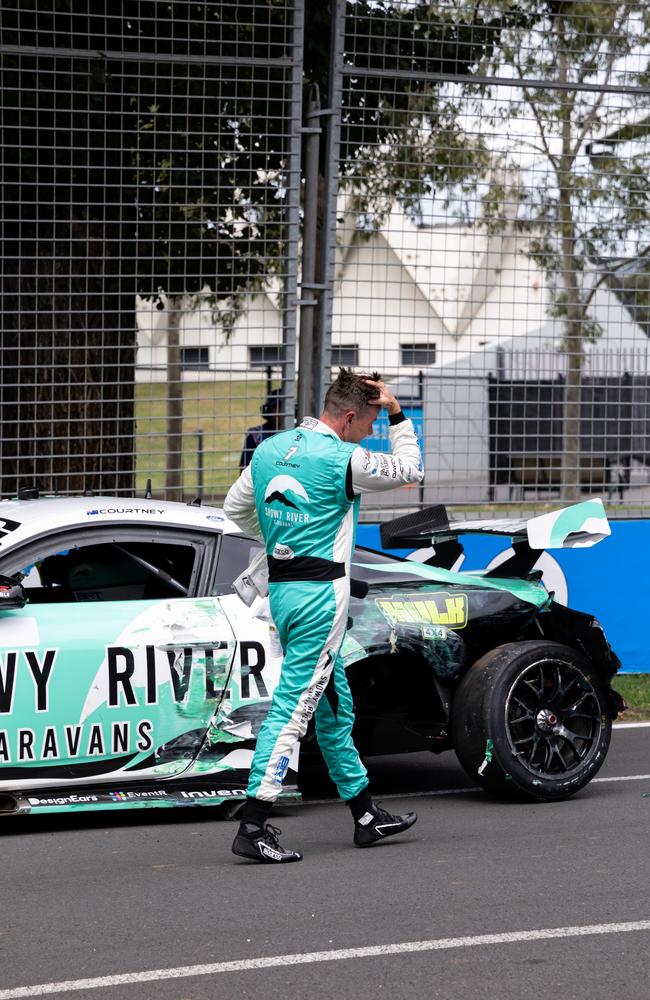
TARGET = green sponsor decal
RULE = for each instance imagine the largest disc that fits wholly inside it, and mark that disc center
(426, 609)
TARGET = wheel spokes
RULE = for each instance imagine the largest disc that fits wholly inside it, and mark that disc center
(527, 712)
(548, 736)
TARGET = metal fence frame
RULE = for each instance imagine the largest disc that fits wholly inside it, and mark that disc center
(81, 438)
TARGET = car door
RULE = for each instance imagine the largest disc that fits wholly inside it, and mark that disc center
(258, 657)
(254, 675)
(114, 666)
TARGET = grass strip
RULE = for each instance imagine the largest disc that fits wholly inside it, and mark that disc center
(635, 689)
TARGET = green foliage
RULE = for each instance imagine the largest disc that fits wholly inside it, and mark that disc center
(582, 197)
(210, 144)
(574, 182)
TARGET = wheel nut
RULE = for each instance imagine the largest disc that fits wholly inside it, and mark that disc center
(546, 719)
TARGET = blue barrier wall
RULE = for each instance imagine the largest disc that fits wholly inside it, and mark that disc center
(608, 580)
(380, 439)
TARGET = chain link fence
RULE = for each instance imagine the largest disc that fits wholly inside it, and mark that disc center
(151, 159)
(493, 240)
(208, 208)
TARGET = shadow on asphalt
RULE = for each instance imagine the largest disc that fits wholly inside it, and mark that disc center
(397, 775)
(393, 775)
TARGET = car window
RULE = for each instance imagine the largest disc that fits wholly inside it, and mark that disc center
(235, 554)
(110, 571)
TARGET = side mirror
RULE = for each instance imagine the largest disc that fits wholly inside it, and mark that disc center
(12, 594)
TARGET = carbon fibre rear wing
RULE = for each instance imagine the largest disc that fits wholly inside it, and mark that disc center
(579, 526)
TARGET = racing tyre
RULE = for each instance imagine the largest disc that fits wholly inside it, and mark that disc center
(531, 720)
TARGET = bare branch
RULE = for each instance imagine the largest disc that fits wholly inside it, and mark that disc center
(612, 270)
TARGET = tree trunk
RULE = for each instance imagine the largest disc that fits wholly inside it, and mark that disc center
(574, 347)
(574, 307)
(67, 314)
(174, 466)
(67, 338)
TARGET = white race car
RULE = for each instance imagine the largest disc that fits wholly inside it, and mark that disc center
(132, 674)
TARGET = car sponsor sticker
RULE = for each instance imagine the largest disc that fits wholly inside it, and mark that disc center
(61, 800)
(149, 793)
(124, 510)
(441, 609)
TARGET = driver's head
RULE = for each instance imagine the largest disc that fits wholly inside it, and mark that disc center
(351, 404)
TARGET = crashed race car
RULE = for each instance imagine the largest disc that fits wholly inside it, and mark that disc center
(132, 674)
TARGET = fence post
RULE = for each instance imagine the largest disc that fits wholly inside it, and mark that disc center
(289, 295)
(308, 379)
(330, 186)
(199, 463)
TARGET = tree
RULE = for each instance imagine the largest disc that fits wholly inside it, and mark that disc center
(572, 182)
(212, 145)
(581, 67)
(157, 161)
(67, 330)
(395, 54)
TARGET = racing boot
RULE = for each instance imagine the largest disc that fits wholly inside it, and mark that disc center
(260, 843)
(376, 825)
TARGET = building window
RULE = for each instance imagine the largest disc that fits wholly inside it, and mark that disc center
(195, 359)
(418, 354)
(345, 354)
(265, 355)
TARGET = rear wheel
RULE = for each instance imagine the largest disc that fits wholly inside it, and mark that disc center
(531, 719)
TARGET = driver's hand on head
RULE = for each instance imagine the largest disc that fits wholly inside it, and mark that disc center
(384, 398)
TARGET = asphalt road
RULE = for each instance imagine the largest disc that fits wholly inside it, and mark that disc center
(105, 896)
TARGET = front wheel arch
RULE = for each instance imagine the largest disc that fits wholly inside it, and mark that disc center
(532, 720)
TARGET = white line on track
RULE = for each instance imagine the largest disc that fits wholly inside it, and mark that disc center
(313, 957)
(474, 789)
(625, 777)
(468, 790)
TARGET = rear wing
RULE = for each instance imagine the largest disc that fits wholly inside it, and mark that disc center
(579, 526)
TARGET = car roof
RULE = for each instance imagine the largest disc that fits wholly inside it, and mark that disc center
(21, 520)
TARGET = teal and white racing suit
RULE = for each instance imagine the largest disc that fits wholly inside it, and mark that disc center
(301, 495)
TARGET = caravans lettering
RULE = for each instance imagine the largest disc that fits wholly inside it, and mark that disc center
(21, 746)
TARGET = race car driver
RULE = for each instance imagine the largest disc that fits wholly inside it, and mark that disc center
(301, 495)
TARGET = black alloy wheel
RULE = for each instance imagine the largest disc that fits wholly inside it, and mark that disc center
(532, 719)
(552, 718)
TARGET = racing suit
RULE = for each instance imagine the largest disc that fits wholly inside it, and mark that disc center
(301, 495)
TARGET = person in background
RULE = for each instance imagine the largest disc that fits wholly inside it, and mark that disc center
(271, 410)
(301, 496)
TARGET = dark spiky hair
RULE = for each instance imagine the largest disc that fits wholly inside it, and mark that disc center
(350, 391)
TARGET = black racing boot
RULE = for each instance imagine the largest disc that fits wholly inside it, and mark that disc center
(376, 825)
(261, 844)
